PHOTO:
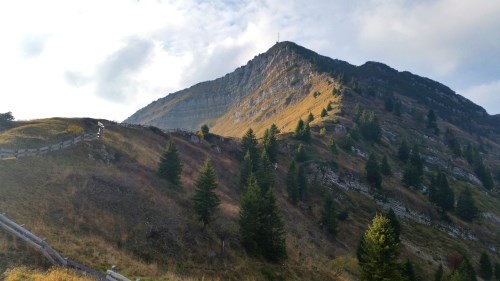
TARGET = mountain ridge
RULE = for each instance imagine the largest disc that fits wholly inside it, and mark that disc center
(210, 101)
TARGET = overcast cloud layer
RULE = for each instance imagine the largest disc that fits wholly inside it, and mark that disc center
(107, 59)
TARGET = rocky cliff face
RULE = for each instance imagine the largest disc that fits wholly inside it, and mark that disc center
(289, 82)
(208, 101)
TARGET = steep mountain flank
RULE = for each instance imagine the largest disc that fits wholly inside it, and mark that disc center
(289, 80)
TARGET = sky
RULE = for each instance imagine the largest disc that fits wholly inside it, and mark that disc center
(109, 58)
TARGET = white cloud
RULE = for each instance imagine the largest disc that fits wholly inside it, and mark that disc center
(107, 59)
(487, 94)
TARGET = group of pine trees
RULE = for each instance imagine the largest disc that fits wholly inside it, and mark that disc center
(379, 248)
(368, 124)
(260, 222)
(205, 200)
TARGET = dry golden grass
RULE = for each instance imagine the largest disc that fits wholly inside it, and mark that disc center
(282, 114)
(55, 274)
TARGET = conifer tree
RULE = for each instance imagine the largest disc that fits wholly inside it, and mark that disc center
(299, 129)
(328, 217)
(440, 193)
(245, 170)
(378, 251)
(324, 113)
(261, 225)
(310, 117)
(385, 168)
(206, 202)
(302, 131)
(250, 217)
(431, 121)
(404, 151)
(300, 154)
(396, 226)
(292, 186)
(306, 135)
(265, 176)
(373, 171)
(249, 143)
(270, 144)
(170, 166)
(273, 244)
(301, 182)
(333, 146)
(205, 131)
(466, 207)
(485, 268)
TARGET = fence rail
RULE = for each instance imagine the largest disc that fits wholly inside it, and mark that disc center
(6, 153)
(52, 255)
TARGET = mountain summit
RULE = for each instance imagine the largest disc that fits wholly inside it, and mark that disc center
(289, 81)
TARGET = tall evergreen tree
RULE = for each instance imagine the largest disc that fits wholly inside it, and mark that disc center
(440, 193)
(466, 207)
(404, 151)
(300, 154)
(261, 225)
(310, 117)
(299, 129)
(396, 226)
(301, 182)
(378, 252)
(431, 121)
(328, 217)
(265, 176)
(249, 143)
(302, 131)
(292, 186)
(245, 170)
(385, 168)
(485, 268)
(249, 220)
(206, 202)
(205, 131)
(273, 244)
(333, 146)
(373, 171)
(170, 166)
(270, 144)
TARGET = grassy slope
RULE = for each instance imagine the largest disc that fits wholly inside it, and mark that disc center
(111, 208)
(101, 203)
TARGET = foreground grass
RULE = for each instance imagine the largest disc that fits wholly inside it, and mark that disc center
(55, 274)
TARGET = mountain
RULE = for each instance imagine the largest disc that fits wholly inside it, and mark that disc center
(100, 201)
(290, 81)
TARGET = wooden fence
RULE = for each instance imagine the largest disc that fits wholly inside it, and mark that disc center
(18, 153)
(52, 255)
